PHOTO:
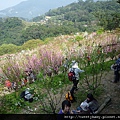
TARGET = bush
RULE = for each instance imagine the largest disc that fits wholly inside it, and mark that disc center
(79, 38)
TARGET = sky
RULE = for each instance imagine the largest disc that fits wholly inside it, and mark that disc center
(9, 3)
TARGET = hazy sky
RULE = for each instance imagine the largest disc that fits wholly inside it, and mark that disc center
(9, 3)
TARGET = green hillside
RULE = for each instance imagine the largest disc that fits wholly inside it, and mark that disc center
(77, 17)
(85, 15)
(87, 32)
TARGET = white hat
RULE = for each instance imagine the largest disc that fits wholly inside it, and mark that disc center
(28, 89)
(73, 61)
(84, 106)
(75, 65)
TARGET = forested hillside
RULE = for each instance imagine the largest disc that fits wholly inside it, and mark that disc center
(10, 30)
(42, 47)
(86, 15)
(77, 17)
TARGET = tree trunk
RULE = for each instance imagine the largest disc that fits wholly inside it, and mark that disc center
(107, 100)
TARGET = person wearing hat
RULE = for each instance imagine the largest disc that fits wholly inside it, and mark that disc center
(73, 62)
(93, 103)
(77, 70)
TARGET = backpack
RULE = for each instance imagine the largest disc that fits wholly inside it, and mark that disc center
(22, 95)
(71, 75)
(68, 96)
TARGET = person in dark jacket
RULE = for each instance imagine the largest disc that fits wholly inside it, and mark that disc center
(65, 110)
(65, 107)
(72, 94)
(116, 69)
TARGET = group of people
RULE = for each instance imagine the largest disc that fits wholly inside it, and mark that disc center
(89, 106)
(29, 78)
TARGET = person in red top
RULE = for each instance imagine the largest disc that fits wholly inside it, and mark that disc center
(8, 84)
(25, 80)
(88, 60)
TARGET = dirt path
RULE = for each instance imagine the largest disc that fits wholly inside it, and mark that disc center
(112, 90)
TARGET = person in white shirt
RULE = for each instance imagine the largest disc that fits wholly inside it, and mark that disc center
(77, 71)
(93, 103)
(28, 96)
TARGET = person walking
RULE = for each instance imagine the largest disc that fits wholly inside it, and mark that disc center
(77, 71)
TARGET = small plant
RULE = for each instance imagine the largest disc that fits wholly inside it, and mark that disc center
(100, 31)
(79, 38)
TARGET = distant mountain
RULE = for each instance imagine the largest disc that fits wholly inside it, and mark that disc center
(32, 8)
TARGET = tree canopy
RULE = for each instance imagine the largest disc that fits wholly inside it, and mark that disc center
(77, 17)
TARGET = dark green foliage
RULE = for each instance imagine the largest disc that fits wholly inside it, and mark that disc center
(88, 13)
(13, 102)
(31, 44)
(82, 16)
(44, 31)
(10, 31)
(109, 20)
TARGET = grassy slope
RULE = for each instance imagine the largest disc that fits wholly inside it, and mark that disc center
(57, 42)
